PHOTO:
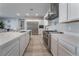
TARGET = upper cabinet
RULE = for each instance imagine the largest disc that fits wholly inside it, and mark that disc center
(68, 12)
(73, 11)
(62, 12)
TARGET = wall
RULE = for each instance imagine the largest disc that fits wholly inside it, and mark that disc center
(53, 24)
(39, 20)
(72, 27)
(11, 23)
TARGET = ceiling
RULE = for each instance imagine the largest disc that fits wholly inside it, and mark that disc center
(23, 9)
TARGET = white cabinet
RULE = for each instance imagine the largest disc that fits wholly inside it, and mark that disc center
(10, 48)
(14, 45)
(65, 48)
(27, 38)
(68, 46)
(62, 12)
(22, 44)
(15, 50)
(73, 11)
(40, 31)
(24, 40)
(68, 12)
(62, 51)
(77, 51)
(54, 45)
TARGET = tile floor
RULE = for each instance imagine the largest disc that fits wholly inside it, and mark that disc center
(36, 47)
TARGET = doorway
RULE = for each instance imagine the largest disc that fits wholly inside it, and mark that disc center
(33, 26)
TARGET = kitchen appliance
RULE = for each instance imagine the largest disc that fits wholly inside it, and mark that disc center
(47, 40)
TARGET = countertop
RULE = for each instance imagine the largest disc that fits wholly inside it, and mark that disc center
(73, 40)
(6, 37)
(25, 30)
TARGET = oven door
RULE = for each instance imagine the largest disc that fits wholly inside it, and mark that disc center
(49, 41)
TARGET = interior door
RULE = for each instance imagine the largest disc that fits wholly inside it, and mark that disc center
(33, 26)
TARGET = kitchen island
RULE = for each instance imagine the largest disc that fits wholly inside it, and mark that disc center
(13, 43)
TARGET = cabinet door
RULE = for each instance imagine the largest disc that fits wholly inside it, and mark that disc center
(62, 51)
(54, 46)
(22, 45)
(27, 38)
(14, 51)
(73, 11)
(6, 48)
(62, 12)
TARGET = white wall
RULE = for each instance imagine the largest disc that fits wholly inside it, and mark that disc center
(40, 21)
(13, 23)
(52, 25)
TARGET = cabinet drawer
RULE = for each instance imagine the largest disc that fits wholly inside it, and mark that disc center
(67, 46)
(63, 52)
(7, 47)
(23, 45)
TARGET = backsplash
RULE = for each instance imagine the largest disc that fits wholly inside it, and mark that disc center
(65, 27)
(68, 27)
(53, 24)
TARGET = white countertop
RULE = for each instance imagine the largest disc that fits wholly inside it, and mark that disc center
(74, 40)
(26, 30)
(8, 36)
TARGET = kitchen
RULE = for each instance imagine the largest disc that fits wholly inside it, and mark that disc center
(39, 29)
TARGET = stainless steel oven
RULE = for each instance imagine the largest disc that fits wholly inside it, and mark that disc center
(47, 39)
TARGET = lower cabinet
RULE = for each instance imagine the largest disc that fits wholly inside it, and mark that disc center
(54, 46)
(61, 47)
(14, 51)
(15, 47)
(22, 44)
(77, 51)
(24, 40)
(10, 49)
(27, 38)
(63, 51)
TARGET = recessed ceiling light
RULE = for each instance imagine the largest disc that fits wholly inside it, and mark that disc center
(18, 14)
(27, 14)
(36, 14)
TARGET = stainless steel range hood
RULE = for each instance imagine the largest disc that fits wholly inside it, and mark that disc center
(54, 11)
(51, 16)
